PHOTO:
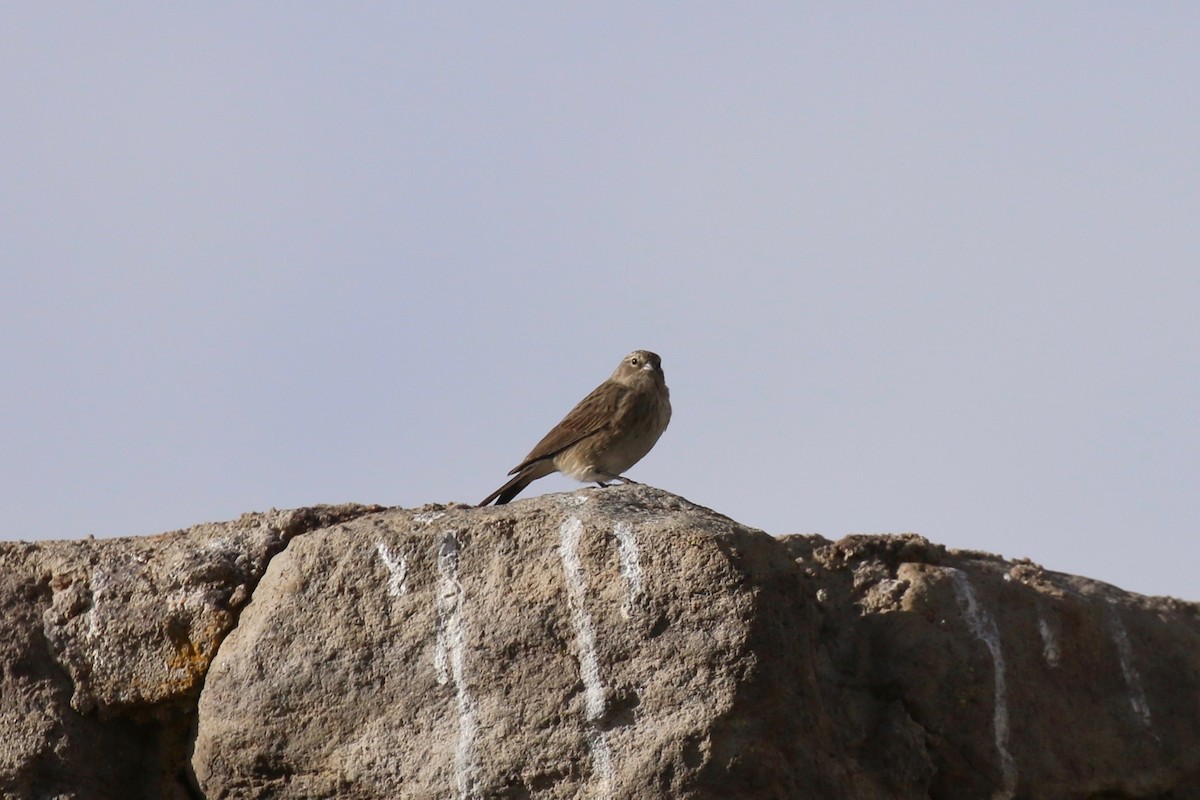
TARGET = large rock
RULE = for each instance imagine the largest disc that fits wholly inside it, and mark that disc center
(615, 643)
(595, 643)
(625, 643)
(104, 646)
(957, 674)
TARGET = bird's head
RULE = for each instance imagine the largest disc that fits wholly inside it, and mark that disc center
(638, 366)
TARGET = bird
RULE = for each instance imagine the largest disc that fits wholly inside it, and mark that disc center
(608, 432)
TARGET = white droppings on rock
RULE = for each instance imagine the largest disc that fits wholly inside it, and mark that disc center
(397, 567)
(631, 567)
(585, 636)
(983, 627)
(1133, 679)
(1050, 649)
(449, 662)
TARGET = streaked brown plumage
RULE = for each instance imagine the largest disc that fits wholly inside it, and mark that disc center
(607, 433)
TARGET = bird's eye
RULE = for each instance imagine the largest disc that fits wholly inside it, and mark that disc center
(633, 361)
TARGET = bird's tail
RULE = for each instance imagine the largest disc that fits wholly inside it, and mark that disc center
(538, 469)
(509, 490)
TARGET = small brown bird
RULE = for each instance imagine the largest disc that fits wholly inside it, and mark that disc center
(607, 433)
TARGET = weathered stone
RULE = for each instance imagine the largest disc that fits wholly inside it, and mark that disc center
(553, 648)
(104, 646)
(1010, 681)
(518, 652)
(615, 643)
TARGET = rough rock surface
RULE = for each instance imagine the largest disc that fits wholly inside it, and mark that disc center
(618, 643)
(104, 646)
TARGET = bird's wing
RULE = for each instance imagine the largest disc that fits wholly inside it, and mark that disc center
(592, 414)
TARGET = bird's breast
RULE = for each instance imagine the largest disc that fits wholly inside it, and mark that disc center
(624, 442)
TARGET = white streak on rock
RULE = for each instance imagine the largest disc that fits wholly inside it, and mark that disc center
(585, 636)
(449, 663)
(983, 626)
(97, 620)
(1133, 679)
(631, 568)
(602, 760)
(99, 584)
(397, 567)
(429, 516)
(1050, 649)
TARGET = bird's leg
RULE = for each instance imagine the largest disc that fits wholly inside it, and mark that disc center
(610, 478)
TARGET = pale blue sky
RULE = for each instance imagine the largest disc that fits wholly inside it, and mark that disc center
(910, 267)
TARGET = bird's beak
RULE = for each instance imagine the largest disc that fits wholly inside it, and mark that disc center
(648, 367)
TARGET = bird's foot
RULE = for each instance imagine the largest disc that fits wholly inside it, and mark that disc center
(610, 479)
